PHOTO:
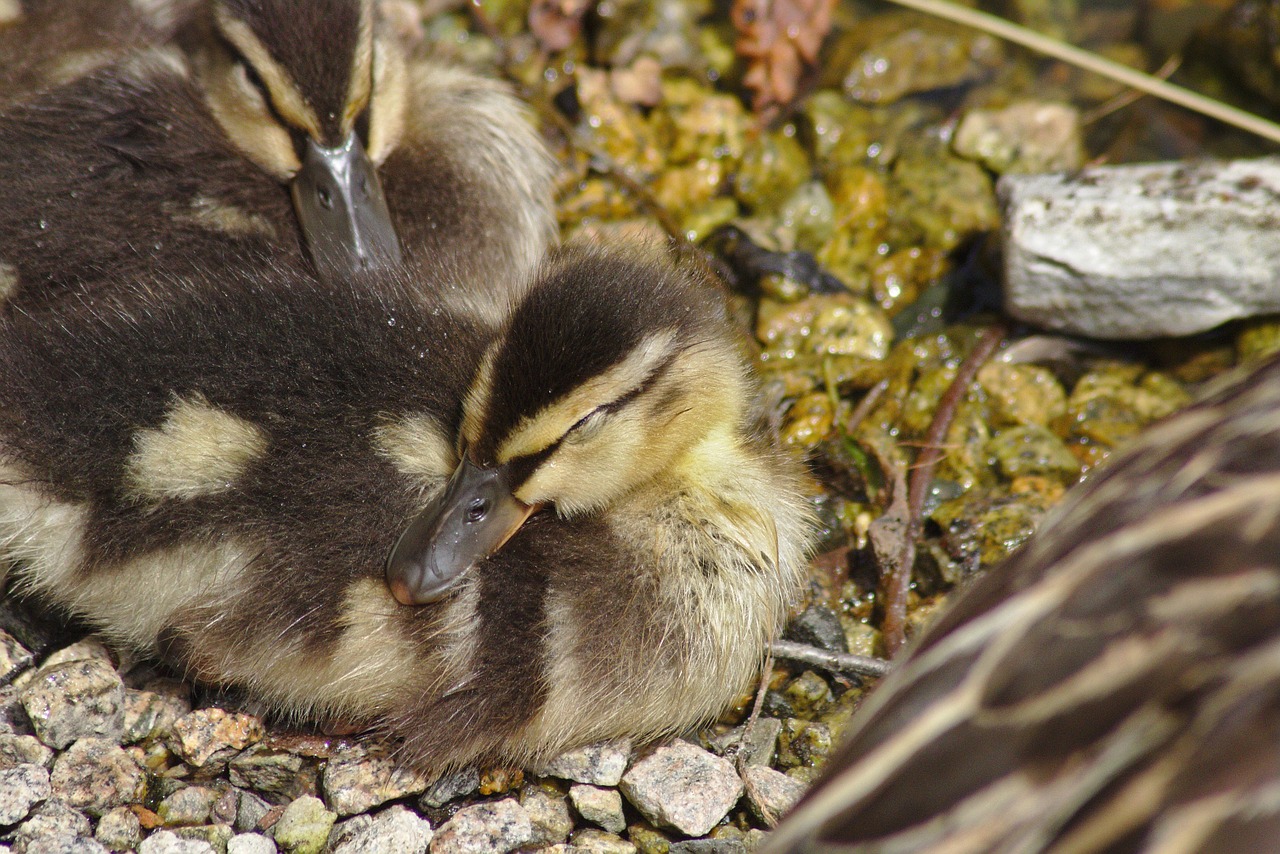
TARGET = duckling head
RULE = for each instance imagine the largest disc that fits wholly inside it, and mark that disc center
(615, 374)
(314, 95)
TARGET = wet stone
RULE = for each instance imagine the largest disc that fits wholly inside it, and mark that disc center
(599, 806)
(21, 788)
(23, 749)
(495, 827)
(597, 764)
(147, 713)
(51, 819)
(455, 784)
(13, 715)
(250, 843)
(95, 775)
(304, 826)
(119, 829)
(14, 657)
(770, 793)
(683, 787)
(73, 700)
(592, 841)
(761, 743)
(549, 813)
(274, 772)
(208, 736)
(355, 780)
(709, 846)
(167, 842)
(226, 807)
(217, 835)
(396, 830)
(818, 626)
(647, 840)
(189, 806)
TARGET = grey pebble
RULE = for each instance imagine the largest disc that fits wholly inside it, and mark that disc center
(21, 749)
(147, 713)
(250, 810)
(761, 743)
(119, 829)
(494, 827)
(251, 843)
(709, 846)
(396, 830)
(13, 716)
(549, 813)
(596, 764)
(356, 779)
(21, 788)
(52, 818)
(95, 774)
(167, 842)
(599, 806)
(592, 841)
(770, 793)
(455, 784)
(75, 699)
(217, 835)
(304, 825)
(683, 787)
(65, 845)
(188, 806)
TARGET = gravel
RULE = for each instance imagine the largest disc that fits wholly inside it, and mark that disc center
(682, 787)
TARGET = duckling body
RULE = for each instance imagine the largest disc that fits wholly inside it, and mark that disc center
(215, 469)
(1115, 686)
(173, 157)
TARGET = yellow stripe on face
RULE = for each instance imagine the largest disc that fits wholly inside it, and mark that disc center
(359, 89)
(416, 446)
(537, 432)
(285, 95)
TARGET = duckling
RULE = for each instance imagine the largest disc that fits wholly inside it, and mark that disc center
(1115, 686)
(273, 128)
(226, 469)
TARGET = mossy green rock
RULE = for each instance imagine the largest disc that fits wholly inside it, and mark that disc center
(304, 827)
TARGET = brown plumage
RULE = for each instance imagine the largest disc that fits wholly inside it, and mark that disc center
(1115, 686)
(234, 137)
(215, 468)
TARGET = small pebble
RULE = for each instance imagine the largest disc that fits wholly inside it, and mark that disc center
(599, 806)
(207, 736)
(189, 806)
(74, 700)
(86, 649)
(250, 810)
(22, 749)
(304, 827)
(356, 780)
(709, 846)
(396, 830)
(147, 713)
(273, 772)
(761, 744)
(770, 793)
(52, 818)
(250, 843)
(14, 657)
(493, 827)
(119, 829)
(549, 813)
(217, 835)
(167, 842)
(455, 784)
(21, 788)
(592, 841)
(64, 845)
(596, 764)
(95, 774)
(683, 787)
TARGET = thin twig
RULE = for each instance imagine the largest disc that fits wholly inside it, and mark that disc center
(1080, 58)
(1128, 96)
(740, 759)
(834, 662)
(898, 585)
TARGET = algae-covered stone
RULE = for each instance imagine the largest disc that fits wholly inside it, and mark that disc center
(809, 694)
(836, 131)
(1027, 137)
(803, 743)
(944, 198)
(807, 217)
(1022, 394)
(808, 421)
(697, 123)
(304, 826)
(1032, 450)
(771, 169)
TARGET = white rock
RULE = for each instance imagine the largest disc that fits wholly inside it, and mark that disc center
(1142, 251)
(250, 843)
(395, 830)
(599, 806)
(494, 827)
(21, 788)
(596, 764)
(683, 787)
(165, 842)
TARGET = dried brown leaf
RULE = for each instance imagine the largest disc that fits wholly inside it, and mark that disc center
(556, 23)
(779, 39)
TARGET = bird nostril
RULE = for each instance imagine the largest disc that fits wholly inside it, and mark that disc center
(477, 510)
(326, 200)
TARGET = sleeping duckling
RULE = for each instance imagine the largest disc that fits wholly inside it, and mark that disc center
(1114, 687)
(170, 157)
(217, 469)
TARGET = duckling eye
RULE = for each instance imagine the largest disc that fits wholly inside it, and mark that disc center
(477, 510)
(587, 423)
